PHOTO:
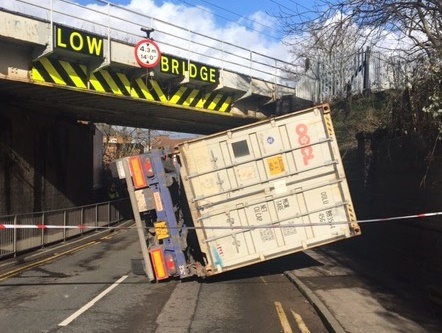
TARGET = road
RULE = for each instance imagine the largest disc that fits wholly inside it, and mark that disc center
(91, 288)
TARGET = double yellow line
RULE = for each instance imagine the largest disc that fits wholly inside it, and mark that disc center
(285, 325)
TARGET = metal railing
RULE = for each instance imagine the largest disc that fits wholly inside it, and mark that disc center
(365, 70)
(86, 218)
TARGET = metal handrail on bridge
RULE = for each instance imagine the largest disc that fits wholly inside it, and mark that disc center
(14, 241)
(124, 25)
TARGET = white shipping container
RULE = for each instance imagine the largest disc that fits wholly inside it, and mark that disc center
(267, 189)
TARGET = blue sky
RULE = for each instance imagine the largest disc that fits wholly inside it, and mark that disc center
(230, 9)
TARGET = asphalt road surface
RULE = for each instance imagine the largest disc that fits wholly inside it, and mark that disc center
(91, 288)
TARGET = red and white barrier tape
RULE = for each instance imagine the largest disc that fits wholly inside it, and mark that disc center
(43, 226)
(230, 227)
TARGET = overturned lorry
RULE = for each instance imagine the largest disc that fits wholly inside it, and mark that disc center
(240, 197)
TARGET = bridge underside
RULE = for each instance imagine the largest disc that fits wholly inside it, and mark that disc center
(94, 107)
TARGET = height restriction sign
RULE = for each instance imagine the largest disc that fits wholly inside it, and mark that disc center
(147, 53)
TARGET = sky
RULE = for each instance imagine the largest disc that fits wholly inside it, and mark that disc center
(226, 12)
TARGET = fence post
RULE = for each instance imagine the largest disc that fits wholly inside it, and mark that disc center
(43, 230)
(96, 217)
(318, 80)
(118, 211)
(64, 225)
(14, 246)
(109, 213)
(366, 85)
(81, 220)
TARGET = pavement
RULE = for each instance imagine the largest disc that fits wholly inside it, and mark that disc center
(353, 301)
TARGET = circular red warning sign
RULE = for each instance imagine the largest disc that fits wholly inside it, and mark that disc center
(147, 53)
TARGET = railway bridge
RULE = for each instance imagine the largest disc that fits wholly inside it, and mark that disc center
(65, 67)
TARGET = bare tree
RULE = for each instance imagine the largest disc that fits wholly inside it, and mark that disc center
(331, 46)
(122, 141)
(417, 24)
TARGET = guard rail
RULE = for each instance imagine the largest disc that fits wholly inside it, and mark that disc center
(14, 241)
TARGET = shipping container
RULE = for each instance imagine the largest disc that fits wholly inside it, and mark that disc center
(248, 195)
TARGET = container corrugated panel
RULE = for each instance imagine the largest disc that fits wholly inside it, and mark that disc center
(268, 189)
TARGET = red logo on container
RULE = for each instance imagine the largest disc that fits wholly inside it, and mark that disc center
(304, 142)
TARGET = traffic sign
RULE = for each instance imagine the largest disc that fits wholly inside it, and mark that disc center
(147, 53)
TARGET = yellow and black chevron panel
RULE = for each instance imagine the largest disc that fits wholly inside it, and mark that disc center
(110, 82)
(187, 96)
(60, 72)
(148, 89)
(75, 75)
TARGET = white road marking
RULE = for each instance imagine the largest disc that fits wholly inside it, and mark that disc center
(76, 314)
